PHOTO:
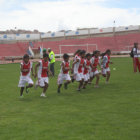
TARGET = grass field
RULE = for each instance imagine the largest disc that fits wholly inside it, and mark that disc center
(111, 112)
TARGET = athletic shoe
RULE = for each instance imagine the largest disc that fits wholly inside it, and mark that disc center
(66, 86)
(21, 97)
(41, 95)
(96, 86)
(78, 89)
(44, 95)
(84, 87)
(107, 82)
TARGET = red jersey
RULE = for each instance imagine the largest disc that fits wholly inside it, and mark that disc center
(86, 69)
(43, 68)
(27, 67)
(81, 65)
(66, 65)
(95, 62)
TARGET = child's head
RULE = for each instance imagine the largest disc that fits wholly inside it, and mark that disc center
(108, 52)
(88, 56)
(66, 57)
(82, 53)
(26, 58)
(77, 52)
(45, 57)
(96, 53)
(136, 45)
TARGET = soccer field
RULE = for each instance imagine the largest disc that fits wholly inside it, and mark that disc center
(111, 112)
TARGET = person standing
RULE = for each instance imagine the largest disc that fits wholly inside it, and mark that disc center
(52, 61)
(135, 55)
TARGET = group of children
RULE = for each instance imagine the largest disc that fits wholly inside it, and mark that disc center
(85, 67)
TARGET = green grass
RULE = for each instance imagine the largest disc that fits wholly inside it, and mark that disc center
(111, 112)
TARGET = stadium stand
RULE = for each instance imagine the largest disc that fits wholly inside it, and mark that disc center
(120, 41)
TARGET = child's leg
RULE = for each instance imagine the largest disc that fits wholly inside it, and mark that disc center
(66, 83)
(59, 86)
(21, 91)
(80, 84)
(97, 80)
(108, 76)
(45, 88)
(84, 86)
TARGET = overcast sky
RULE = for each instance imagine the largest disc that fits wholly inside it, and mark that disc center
(55, 15)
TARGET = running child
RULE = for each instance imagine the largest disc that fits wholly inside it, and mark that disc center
(87, 70)
(26, 69)
(43, 73)
(105, 65)
(76, 55)
(95, 73)
(64, 73)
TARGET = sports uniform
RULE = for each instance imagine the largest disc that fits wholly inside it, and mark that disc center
(80, 68)
(42, 73)
(64, 75)
(94, 61)
(105, 64)
(25, 76)
(86, 70)
(77, 76)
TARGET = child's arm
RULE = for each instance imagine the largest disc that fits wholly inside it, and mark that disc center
(77, 60)
(36, 66)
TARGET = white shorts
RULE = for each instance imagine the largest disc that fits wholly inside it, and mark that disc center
(77, 77)
(94, 73)
(104, 71)
(81, 75)
(86, 77)
(62, 77)
(25, 80)
(42, 81)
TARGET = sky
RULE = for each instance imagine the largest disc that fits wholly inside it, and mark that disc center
(56, 15)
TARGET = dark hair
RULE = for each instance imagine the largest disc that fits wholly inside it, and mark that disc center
(77, 52)
(108, 51)
(135, 44)
(25, 56)
(45, 55)
(88, 54)
(65, 56)
(95, 52)
(82, 52)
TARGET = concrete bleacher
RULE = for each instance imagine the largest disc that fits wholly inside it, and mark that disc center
(116, 43)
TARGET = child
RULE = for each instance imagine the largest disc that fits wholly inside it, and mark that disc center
(43, 73)
(76, 55)
(64, 74)
(81, 69)
(105, 65)
(26, 69)
(86, 70)
(95, 72)
(77, 69)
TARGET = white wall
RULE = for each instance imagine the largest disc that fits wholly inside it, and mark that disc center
(67, 33)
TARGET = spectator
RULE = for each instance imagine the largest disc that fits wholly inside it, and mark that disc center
(136, 63)
(52, 61)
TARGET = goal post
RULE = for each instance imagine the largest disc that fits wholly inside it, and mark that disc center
(71, 49)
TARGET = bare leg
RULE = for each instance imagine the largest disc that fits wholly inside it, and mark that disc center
(108, 76)
(97, 80)
(21, 91)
